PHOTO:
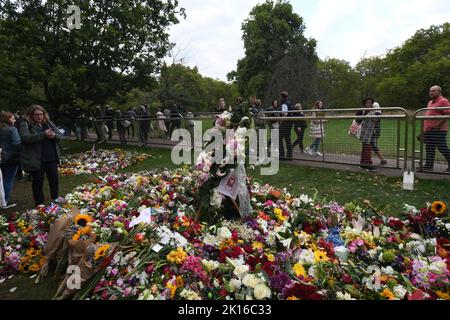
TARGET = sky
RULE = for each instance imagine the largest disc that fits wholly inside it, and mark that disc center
(211, 38)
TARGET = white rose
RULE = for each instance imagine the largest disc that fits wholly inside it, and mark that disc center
(400, 292)
(251, 281)
(241, 271)
(262, 292)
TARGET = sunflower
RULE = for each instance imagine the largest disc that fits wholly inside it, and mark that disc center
(81, 232)
(320, 256)
(82, 219)
(438, 208)
(102, 251)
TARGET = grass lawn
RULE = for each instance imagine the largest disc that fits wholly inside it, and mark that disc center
(341, 186)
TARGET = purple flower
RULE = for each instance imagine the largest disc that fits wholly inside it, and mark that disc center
(279, 281)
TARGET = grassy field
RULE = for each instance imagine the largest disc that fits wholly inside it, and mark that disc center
(341, 186)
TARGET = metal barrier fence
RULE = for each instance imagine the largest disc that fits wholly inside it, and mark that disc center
(433, 144)
(326, 137)
(393, 147)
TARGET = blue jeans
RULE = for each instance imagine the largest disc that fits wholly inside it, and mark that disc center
(9, 174)
(315, 145)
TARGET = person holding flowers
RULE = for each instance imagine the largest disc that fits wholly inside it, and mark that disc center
(40, 153)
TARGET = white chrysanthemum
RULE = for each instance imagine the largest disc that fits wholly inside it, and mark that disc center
(343, 296)
(400, 291)
(251, 281)
(262, 291)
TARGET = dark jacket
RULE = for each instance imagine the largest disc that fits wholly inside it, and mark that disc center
(32, 137)
(10, 144)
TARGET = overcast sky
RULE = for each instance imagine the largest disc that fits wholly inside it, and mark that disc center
(210, 36)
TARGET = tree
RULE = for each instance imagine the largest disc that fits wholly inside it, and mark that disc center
(269, 33)
(338, 84)
(404, 75)
(119, 47)
(186, 86)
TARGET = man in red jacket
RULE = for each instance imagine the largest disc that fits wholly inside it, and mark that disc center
(435, 135)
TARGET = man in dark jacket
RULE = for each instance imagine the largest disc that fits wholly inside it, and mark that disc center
(285, 127)
(109, 115)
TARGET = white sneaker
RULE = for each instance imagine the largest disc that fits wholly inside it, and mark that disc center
(319, 154)
(9, 205)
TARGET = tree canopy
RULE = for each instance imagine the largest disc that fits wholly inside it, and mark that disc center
(269, 33)
(120, 46)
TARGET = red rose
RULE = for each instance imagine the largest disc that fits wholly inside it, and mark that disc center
(347, 279)
(396, 224)
(377, 222)
(11, 227)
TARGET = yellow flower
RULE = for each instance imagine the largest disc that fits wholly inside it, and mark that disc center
(293, 298)
(299, 270)
(388, 294)
(443, 295)
(257, 245)
(438, 208)
(173, 285)
(320, 256)
(83, 219)
(102, 251)
(279, 214)
(270, 257)
(177, 256)
(81, 232)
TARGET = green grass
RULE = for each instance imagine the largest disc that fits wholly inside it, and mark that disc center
(341, 186)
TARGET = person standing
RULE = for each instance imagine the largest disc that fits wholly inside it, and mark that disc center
(285, 127)
(109, 115)
(144, 125)
(40, 152)
(299, 128)
(168, 121)
(376, 134)
(99, 124)
(175, 114)
(221, 107)
(3, 204)
(367, 130)
(190, 125)
(131, 116)
(19, 119)
(121, 125)
(317, 130)
(10, 144)
(161, 126)
(435, 130)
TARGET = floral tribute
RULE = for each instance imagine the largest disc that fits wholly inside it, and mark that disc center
(148, 245)
(99, 161)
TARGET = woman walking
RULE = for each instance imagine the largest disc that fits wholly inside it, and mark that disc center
(40, 152)
(299, 128)
(10, 144)
(376, 134)
(317, 130)
(367, 131)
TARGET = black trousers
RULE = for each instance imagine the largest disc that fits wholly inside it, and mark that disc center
(436, 139)
(300, 134)
(49, 169)
(285, 135)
